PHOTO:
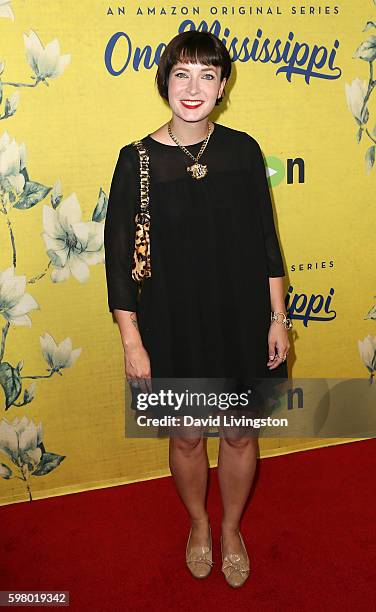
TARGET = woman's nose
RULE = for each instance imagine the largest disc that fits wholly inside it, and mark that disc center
(193, 87)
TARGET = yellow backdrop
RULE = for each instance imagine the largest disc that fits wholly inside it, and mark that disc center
(77, 83)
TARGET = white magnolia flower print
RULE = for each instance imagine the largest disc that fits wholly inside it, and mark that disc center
(367, 350)
(58, 356)
(46, 62)
(72, 245)
(371, 314)
(19, 440)
(6, 9)
(13, 102)
(57, 194)
(5, 472)
(12, 161)
(355, 94)
(29, 393)
(14, 302)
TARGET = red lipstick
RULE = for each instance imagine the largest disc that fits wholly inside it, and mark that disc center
(194, 103)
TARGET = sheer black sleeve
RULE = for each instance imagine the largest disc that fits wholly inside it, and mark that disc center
(260, 183)
(119, 232)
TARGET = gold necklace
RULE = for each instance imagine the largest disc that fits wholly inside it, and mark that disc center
(197, 170)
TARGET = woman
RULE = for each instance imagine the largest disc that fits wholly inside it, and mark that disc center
(217, 271)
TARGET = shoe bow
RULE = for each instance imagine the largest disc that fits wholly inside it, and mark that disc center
(234, 563)
(198, 555)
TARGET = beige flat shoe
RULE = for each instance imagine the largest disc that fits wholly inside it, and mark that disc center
(236, 568)
(199, 558)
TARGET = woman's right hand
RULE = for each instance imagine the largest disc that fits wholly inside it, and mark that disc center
(137, 367)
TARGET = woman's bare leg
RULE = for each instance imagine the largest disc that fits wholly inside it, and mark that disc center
(236, 468)
(189, 465)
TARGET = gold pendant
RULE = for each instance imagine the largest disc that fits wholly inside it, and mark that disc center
(198, 170)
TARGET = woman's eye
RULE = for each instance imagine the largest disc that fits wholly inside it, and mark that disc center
(183, 73)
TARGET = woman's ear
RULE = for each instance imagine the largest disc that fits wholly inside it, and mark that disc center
(222, 87)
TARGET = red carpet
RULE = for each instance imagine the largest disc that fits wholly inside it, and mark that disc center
(309, 529)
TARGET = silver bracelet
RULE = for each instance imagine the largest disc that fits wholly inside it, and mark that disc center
(274, 316)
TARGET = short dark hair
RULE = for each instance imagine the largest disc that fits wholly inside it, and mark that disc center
(196, 47)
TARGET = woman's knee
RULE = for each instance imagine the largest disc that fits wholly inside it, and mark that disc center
(187, 444)
(239, 442)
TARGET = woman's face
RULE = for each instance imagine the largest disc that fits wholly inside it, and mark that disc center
(194, 83)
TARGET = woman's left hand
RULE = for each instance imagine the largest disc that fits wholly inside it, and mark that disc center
(279, 344)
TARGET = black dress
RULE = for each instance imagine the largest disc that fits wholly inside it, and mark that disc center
(205, 310)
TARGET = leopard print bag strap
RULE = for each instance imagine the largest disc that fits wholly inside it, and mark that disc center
(141, 258)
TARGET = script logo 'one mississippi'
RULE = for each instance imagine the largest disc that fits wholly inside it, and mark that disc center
(296, 57)
(310, 308)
